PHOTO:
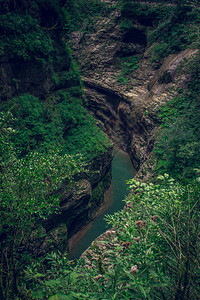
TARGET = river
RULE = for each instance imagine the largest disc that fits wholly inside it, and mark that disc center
(122, 170)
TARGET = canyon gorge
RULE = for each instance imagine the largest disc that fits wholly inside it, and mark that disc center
(78, 80)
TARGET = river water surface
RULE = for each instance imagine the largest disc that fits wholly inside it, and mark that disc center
(122, 170)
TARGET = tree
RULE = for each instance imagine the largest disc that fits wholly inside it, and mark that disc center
(27, 198)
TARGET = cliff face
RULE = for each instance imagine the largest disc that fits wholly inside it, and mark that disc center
(32, 50)
(124, 87)
(48, 76)
(81, 201)
(20, 77)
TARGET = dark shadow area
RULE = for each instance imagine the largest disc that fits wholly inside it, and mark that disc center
(146, 21)
(136, 36)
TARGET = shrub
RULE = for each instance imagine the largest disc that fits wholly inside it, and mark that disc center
(177, 147)
(128, 67)
(177, 32)
(159, 51)
(27, 198)
(22, 37)
(151, 252)
(81, 12)
(60, 121)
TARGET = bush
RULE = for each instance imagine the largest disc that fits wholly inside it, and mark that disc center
(81, 12)
(151, 252)
(159, 51)
(177, 32)
(27, 199)
(128, 67)
(177, 147)
(86, 138)
(22, 37)
(60, 121)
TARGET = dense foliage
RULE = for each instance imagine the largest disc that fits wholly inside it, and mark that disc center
(82, 12)
(60, 121)
(152, 252)
(26, 28)
(28, 35)
(178, 144)
(22, 37)
(172, 28)
(42, 139)
(27, 194)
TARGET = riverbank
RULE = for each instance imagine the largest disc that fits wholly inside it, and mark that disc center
(75, 239)
(122, 170)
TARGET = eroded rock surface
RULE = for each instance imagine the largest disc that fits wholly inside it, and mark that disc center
(126, 111)
(80, 201)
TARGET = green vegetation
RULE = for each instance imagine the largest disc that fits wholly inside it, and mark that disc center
(178, 144)
(128, 65)
(23, 38)
(27, 28)
(132, 10)
(152, 251)
(82, 12)
(172, 28)
(28, 198)
(43, 140)
(60, 121)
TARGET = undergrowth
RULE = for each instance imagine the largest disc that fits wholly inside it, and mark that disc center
(128, 66)
(177, 148)
(171, 28)
(82, 14)
(152, 251)
(60, 121)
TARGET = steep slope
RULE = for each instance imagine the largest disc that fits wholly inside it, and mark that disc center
(151, 58)
(40, 84)
(124, 82)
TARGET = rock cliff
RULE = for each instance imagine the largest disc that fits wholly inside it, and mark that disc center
(125, 102)
(46, 77)
(80, 202)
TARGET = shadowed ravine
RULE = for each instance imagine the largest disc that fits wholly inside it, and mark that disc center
(122, 170)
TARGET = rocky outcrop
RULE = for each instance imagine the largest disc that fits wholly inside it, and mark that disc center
(74, 207)
(79, 205)
(80, 202)
(127, 112)
(42, 242)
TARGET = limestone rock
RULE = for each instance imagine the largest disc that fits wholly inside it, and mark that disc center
(127, 112)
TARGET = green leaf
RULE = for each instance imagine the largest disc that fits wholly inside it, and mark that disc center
(73, 277)
(38, 275)
(38, 294)
(61, 296)
(52, 283)
(142, 290)
(153, 273)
